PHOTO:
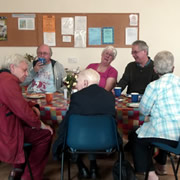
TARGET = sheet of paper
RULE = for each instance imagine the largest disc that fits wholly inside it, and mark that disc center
(23, 15)
(67, 26)
(108, 35)
(80, 23)
(26, 24)
(131, 35)
(49, 38)
(133, 19)
(48, 23)
(80, 31)
(94, 36)
(66, 39)
(49, 30)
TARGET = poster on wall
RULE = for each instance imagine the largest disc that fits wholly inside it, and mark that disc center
(133, 20)
(94, 36)
(80, 31)
(107, 35)
(3, 28)
(49, 34)
(67, 26)
(131, 35)
(26, 24)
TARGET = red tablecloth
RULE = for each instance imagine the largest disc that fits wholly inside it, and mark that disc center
(53, 113)
(127, 118)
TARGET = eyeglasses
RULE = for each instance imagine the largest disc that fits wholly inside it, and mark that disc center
(42, 53)
(135, 52)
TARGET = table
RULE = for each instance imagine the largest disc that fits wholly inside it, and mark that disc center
(127, 118)
(53, 114)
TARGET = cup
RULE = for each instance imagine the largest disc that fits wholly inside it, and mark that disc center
(134, 97)
(117, 91)
(42, 60)
(49, 97)
(74, 91)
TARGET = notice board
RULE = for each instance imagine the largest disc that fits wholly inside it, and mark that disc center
(119, 23)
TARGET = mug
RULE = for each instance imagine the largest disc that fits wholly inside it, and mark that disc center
(49, 97)
(134, 97)
(117, 91)
(42, 60)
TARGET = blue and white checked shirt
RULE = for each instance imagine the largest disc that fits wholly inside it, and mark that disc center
(161, 101)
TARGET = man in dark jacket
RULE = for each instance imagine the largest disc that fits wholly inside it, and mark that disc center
(140, 73)
(20, 122)
(89, 100)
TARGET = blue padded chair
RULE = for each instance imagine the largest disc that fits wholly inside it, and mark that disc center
(91, 135)
(169, 150)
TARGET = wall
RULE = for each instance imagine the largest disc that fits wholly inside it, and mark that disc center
(159, 27)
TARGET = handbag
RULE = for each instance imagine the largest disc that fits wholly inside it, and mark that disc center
(127, 172)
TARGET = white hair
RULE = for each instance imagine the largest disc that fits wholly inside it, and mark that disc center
(164, 62)
(111, 48)
(15, 59)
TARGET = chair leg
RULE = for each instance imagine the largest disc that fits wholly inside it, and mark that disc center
(120, 165)
(62, 166)
(177, 165)
(69, 169)
(173, 166)
(29, 167)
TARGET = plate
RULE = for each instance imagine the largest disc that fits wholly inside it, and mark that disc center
(134, 105)
(120, 100)
(35, 96)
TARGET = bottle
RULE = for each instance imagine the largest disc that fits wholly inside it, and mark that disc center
(65, 93)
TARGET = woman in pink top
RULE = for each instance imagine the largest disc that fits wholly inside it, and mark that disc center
(107, 73)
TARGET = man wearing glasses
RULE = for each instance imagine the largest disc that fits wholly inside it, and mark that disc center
(140, 73)
(45, 74)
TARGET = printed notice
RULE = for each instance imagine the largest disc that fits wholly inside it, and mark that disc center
(133, 19)
(49, 30)
(131, 35)
(108, 35)
(26, 24)
(80, 31)
(66, 39)
(94, 36)
(67, 26)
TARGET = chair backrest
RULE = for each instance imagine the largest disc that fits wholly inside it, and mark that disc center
(92, 133)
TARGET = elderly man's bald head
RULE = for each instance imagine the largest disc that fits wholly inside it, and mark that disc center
(86, 78)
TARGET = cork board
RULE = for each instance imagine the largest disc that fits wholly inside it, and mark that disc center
(117, 21)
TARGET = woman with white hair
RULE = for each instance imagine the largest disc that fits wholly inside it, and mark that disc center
(108, 74)
(161, 102)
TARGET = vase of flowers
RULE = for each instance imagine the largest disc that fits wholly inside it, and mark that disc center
(70, 82)
(29, 57)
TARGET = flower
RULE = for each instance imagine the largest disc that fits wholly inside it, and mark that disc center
(29, 57)
(70, 81)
